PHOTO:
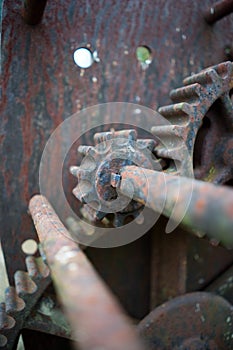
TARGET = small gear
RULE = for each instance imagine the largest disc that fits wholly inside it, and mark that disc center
(203, 109)
(113, 150)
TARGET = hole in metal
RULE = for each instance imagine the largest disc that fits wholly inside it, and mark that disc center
(83, 57)
(144, 56)
(29, 247)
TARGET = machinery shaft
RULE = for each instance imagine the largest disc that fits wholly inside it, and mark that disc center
(95, 316)
(196, 204)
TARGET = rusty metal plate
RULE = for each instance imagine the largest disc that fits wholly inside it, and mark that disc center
(195, 321)
(42, 86)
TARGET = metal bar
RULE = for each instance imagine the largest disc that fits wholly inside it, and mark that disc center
(33, 11)
(223, 285)
(218, 10)
(198, 205)
(96, 318)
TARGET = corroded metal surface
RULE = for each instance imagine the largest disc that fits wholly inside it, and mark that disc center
(20, 299)
(33, 11)
(95, 316)
(42, 87)
(200, 205)
(223, 285)
(218, 10)
(113, 150)
(205, 94)
(189, 322)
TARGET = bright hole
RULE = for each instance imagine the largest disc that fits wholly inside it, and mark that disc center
(83, 57)
(29, 247)
(144, 55)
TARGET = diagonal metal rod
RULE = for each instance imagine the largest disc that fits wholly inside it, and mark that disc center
(96, 318)
(218, 10)
(196, 204)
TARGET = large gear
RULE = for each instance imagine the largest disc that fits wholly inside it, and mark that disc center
(113, 150)
(202, 100)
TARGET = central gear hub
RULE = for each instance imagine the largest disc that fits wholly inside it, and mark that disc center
(113, 150)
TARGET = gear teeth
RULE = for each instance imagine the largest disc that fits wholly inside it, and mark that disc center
(179, 112)
(87, 150)
(191, 94)
(147, 144)
(168, 131)
(24, 284)
(84, 197)
(13, 302)
(6, 321)
(173, 153)
(36, 267)
(20, 300)
(118, 144)
(130, 134)
(101, 137)
(81, 174)
(92, 214)
(206, 76)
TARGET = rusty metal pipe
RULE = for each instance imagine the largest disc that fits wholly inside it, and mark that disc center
(96, 318)
(218, 10)
(33, 11)
(209, 209)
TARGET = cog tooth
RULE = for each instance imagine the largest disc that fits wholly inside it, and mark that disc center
(180, 112)
(80, 173)
(84, 197)
(147, 143)
(224, 70)
(91, 214)
(36, 267)
(129, 134)
(13, 302)
(168, 131)
(87, 150)
(6, 321)
(24, 284)
(171, 153)
(206, 76)
(101, 137)
(191, 94)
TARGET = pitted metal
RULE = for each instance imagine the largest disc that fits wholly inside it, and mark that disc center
(113, 150)
(203, 111)
(195, 321)
(21, 298)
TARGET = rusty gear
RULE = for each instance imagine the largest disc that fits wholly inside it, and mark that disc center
(19, 300)
(196, 114)
(113, 150)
